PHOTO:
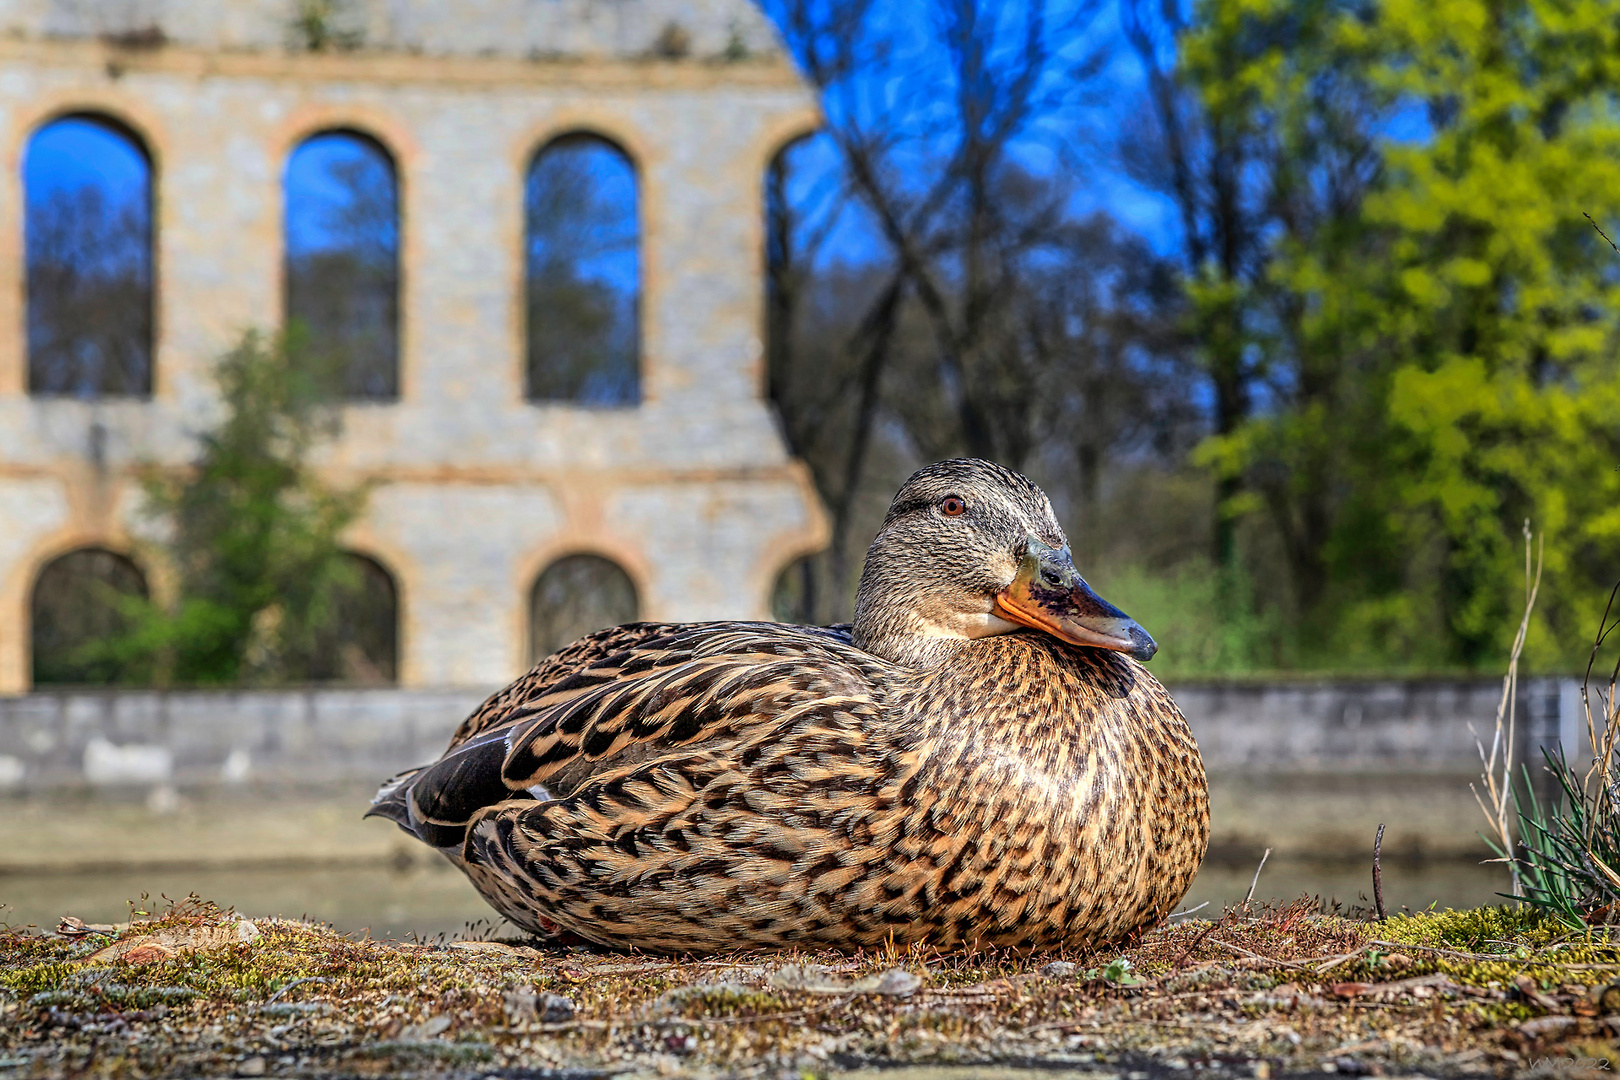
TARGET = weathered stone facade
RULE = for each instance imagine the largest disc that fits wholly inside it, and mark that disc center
(477, 489)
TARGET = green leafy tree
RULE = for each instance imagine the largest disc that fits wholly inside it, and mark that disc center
(252, 533)
(1436, 321)
(1499, 305)
(1260, 133)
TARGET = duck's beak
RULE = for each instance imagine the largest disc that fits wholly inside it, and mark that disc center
(1049, 594)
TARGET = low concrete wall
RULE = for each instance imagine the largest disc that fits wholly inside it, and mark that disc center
(1348, 726)
(83, 739)
(88, 739)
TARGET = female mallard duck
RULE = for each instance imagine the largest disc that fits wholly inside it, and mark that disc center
(934, 773)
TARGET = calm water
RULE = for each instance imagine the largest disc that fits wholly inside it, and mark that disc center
(426, 899)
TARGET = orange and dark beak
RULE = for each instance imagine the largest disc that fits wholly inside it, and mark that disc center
(1050, 595)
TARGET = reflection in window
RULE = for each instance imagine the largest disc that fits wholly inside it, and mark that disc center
(359, 641)
(343, 258)
(76, 606)
(576, 595)
(88, 245)
(582, 240)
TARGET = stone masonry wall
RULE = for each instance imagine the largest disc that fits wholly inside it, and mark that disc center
(82, 739)
(587, 29)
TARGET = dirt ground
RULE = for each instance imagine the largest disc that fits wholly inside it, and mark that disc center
(1265, 990)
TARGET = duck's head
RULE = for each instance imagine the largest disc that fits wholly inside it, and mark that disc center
(969, 550)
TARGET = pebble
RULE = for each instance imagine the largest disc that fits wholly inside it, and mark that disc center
(895, 982)
(554, 1008)
(520, 1006)
(1058, 969)
(525, 1005)
(427, 1029)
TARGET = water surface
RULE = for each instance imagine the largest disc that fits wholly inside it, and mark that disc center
(425, 898)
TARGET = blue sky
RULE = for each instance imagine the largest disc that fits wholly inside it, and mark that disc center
(73, 153)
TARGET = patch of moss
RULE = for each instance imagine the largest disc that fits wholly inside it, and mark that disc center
(1503, 944)
(1476, 930)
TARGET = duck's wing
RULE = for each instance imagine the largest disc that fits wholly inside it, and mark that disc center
(624, 697)
(601, 650)
(578, 656)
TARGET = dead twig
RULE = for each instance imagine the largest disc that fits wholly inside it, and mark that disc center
(1335, 961)
(1197, 941)
(1256, 956)
(1600, 231)
(289, 986)
(1443, 952)
(1378, 873)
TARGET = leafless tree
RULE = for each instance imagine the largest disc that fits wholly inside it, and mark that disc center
(343, 266)
(583, 273)
(959, 334)
(89, 294)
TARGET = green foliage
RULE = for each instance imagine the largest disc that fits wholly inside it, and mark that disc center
(1205, 620)
(252, 533)
(1482, 930)
(323, 25)
(1443, 349)
(1118, 971)
(1501, 303)
(1569, 847)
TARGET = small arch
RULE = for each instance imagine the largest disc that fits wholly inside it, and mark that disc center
(342, 273)
(88, 254)
(359, 640)
(574, 596)
(582, 274)
(78, 608)
(795, 595)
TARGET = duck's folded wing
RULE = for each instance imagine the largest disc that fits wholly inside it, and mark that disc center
(589, 650)
(669, 688)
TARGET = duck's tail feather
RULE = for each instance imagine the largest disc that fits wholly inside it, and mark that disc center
(434, 803)
(392, 800)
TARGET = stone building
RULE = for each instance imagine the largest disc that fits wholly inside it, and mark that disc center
(480, 482)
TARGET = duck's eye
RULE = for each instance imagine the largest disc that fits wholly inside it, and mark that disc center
(952, 506)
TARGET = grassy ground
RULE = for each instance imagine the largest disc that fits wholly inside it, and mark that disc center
(1267, 991)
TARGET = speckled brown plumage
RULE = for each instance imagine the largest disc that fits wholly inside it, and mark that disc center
(682, 787)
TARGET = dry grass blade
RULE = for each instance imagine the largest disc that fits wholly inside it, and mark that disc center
(1498, 775)
(1250, 894)
(1603, 748)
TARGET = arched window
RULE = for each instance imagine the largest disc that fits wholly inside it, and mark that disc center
(342, 270)
(359, 641)
(576, 595)
(77, 610)
(87, 184)
(583, 266)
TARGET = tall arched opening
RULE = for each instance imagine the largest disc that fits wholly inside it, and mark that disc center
(342, 251)
(87, 228)
(582, 259)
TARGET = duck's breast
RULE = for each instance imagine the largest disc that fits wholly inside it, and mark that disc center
(1069, 790)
